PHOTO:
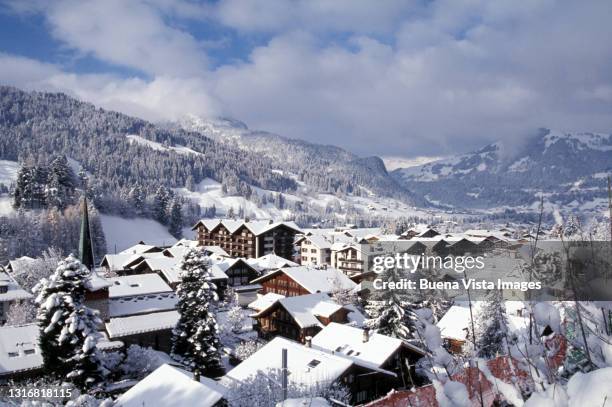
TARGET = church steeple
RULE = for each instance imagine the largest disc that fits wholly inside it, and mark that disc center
(85, 245)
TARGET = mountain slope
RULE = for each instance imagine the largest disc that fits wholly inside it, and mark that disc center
(123, 153)
(568, 168)
(320, 166)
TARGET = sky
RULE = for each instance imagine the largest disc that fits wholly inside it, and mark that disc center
(401, 78)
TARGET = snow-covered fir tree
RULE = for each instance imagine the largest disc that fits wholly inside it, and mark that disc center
(175, 224)
(391, 313)
(160, 205)
(68, 328)
(195, 340)
(491, 326)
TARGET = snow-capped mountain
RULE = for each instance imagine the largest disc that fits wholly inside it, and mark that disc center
(312, 163)
(569, 169)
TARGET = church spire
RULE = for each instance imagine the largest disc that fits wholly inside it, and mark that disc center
(85, 244)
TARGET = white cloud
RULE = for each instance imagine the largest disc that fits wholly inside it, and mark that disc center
(411, 80)
(126, 33)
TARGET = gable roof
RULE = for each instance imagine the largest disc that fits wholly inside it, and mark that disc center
(257, 227)
(169, 386)
(123, 326)
(265, 301)
(313, 279)
(304, 309)
(14, 290)
(271, 261)
(137, 284)
(307, 366)
(141, 248)
(19, 350)
(145, 304)
(348, 341)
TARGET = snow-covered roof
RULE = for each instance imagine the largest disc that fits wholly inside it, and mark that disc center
(271, 261)
(115, 261)
(305, 402)
(96, 282)
(185, 243)
(307, 366)
(141, 248)
(349, 341)
(142, 304)
(313, 279)
(168, 386)
(19, 348)
(257, 227)
(137, 284)
(264, 301)
(319, 241)
(123, 326)
(501, 235)
(304, 309)
(20, 265)
(178, 251)
(14, 291)
(454, 323)
(158, 263)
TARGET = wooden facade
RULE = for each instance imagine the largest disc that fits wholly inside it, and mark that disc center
(282, 284)
(244, 243)
(277, 321)
(240, 273)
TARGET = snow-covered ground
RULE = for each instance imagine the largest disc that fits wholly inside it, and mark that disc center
(8, 175)
(8, 171)
(122, 233)
(159, 147)
(208, 193)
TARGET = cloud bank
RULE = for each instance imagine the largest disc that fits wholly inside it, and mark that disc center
(390, 78)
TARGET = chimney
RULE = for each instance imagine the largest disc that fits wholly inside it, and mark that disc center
(196, 375)
(308, 342)
(366, 335)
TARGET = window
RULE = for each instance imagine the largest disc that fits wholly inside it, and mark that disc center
(313, 363)
(29, 351)
(13, 354)
(361, 396)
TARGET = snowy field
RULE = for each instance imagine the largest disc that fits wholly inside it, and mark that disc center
(8, 175)
(8, 171)
(122, 233)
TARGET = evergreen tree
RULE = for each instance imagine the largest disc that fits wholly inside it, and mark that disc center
(391, 313)
(195, 340)
(491, 326)
(175, 226)
(137, 199)
(160, 205)
(68, 329)
(60, 189)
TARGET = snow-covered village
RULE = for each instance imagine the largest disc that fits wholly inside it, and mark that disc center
(288, 203)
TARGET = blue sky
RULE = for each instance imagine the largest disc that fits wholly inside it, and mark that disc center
(392, 78)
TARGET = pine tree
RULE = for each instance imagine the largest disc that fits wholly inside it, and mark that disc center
(195, 340)
(68, 329)
(160, 205)
(175, 226)
(491, 326)
(391, 313)
(137, 199)
(60, 188)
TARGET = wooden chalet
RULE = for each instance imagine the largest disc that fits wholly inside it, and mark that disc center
(301, 280)
(298, 317)
(248, 239)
